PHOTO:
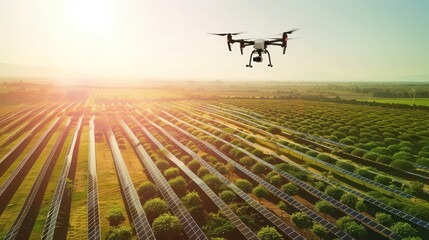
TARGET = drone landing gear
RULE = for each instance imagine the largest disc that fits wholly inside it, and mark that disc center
(250, 60)
(259, 52)
(269, 59)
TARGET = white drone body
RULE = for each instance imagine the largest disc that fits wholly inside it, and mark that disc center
(259, 44)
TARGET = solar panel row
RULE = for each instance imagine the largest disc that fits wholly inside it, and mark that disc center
(141, 224)
(51, 220)
(94, 231)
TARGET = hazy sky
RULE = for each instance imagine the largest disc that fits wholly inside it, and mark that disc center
(168, 39)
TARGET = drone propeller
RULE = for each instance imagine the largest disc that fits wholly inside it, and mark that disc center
(282, 38)
(229, 39)
(288, 32)
(226, 34)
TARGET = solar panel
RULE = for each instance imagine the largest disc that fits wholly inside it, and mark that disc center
(93, 212)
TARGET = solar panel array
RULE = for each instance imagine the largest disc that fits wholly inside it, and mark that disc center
(94, 231)
(14, 231)
(13, 181)
(7, 117)
(191, 228)
(141, 224)
(7, 159)
(354, 175)
(291, 201)
(367, 198)
(16, 122)
(318, 194)
(51, 220)
(17, 130)
(246, 231)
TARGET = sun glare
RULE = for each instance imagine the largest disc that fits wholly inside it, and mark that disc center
(92, 16)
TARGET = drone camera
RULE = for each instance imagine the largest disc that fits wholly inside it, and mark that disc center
(257, 59)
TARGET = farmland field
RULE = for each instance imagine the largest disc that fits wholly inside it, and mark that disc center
(169, 163)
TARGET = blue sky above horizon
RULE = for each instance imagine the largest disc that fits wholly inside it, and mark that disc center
(168, 39)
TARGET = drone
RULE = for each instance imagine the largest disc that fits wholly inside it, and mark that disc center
(259, 45)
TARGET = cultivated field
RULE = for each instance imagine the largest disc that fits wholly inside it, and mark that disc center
(155, 163)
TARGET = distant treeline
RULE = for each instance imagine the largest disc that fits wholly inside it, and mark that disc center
(322, 98)
(387, 93)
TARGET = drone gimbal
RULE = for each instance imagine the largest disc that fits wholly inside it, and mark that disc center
(259, 57)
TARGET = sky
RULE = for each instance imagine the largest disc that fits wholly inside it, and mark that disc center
(150, 40)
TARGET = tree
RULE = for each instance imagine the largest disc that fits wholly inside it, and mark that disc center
(220, 168)
(404, 156)
(403, 165)
(179, 185)
(244, 185)
(361, 207)
(349, 200)
(194, 165)
(258, 168)
(276, 180)
(274, 130)
(334, 192)
(147, 190)
(218, 226)
(404, 229)
(192, 202)
(121, 233)
(282, 206)
(342, 222)
(155, 207)
(383, 179)
(260, 192)
(324, 207)
(416, 188)
(167, 226)
(227, 196)
(269, 233)
(162, 165)
(355, 230)
(202, 171)
(247, 161)
(290, 189)
(320, 231)
(214, 183)
(301, 220)
(384, 219)
(171, 173)
(115, 217)
(345, 165)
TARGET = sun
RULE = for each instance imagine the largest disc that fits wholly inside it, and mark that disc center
(92, 16)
